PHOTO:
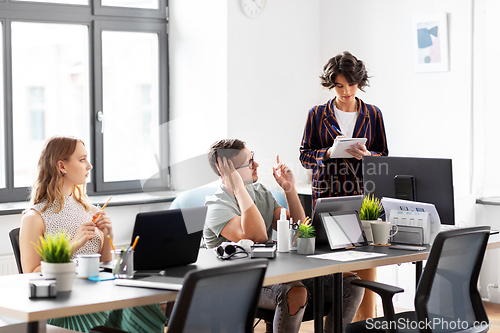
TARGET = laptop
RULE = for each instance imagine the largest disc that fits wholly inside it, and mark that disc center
(167, 238)
(343, 229)
(334, 204)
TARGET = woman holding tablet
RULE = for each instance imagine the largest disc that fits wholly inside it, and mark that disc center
(343, 116)
(337, 174)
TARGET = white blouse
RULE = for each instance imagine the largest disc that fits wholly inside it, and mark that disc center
(69, 218)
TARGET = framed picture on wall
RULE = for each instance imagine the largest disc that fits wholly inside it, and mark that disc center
(430, 42)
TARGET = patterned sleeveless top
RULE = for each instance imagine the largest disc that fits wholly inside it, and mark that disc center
(69, 218)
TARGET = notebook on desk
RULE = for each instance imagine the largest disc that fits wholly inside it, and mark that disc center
(168, 238)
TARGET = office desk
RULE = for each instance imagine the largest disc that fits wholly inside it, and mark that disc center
(88, 296)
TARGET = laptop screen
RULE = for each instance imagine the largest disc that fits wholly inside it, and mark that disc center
(168, 238)
(343, 229)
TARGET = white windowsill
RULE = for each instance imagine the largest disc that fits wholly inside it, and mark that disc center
(10, 208)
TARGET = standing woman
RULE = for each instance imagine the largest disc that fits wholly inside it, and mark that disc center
(344, 115)
(60, 203)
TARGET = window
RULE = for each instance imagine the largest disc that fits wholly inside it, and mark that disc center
(99, 74)
(132, 60)
(36, 113)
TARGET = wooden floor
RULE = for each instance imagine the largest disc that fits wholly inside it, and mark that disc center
(492, 309)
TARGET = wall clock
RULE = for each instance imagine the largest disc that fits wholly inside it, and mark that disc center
(252, 8)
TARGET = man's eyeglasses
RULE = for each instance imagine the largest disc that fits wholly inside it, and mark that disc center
(250, 163)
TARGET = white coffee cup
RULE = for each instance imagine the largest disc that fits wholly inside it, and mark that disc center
(88, 265)
(381, 232)
(246, 244)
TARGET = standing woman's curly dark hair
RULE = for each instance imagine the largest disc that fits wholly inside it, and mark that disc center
(348, 65)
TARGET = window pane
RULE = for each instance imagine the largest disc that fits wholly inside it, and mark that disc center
(2, 128)
(148, 4)
(130, 105)
(50, 87)
(67, 2)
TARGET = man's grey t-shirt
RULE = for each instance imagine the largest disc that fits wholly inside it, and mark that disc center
(222, 207)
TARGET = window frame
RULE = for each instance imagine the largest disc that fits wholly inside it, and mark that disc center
(97, 19)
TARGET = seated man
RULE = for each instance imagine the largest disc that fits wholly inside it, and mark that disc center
(245, 209)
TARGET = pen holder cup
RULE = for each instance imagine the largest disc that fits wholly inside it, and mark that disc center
(123, 264)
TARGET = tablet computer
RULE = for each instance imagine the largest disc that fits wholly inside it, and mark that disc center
(343, 229)
(333, 204)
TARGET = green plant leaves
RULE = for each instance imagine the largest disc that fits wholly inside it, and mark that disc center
(371, 208)
(54, 248)
(306, 231)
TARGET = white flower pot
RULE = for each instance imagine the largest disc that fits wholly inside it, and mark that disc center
(64, 273)
(306, 245)
(368, 230)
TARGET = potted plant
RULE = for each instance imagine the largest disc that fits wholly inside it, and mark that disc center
(55, 251)
(371, 208)
(306, 239)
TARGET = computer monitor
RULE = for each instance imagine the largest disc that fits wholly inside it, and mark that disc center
(427, 180)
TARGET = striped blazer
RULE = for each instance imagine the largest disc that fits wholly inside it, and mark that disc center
(339, 176)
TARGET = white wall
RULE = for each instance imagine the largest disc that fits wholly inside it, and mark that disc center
(274, 63)
(198, 76)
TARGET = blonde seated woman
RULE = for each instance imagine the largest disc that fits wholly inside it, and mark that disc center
(59, 202)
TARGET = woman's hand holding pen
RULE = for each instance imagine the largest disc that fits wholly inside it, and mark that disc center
(86, 231)
(283, 175)
(103, 223)
(358, 151)
(329, 151)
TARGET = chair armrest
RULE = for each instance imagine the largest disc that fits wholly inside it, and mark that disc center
(385, 291)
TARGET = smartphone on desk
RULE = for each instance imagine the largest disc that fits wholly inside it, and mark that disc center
(407, 247)
(268, 244)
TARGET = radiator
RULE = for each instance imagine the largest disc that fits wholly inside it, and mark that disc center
(8, 264)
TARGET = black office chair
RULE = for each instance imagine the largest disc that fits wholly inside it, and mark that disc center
(447, 297)
(222, 299)
(14, 240)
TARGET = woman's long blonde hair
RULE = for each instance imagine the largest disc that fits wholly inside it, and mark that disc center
(48, 185)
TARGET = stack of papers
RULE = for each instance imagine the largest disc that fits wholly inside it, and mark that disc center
(347, 255)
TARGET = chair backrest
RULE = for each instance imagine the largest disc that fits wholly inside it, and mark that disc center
(222, 299)
(197, 197)
(193, 198)
(447, 292)
(14, 240)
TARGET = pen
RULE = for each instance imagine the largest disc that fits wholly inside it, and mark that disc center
(338, 130)
(307, 221)
(95, 218)
(135, 243)
(111, 242)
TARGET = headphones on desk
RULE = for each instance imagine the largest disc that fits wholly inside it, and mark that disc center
(228, 250)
